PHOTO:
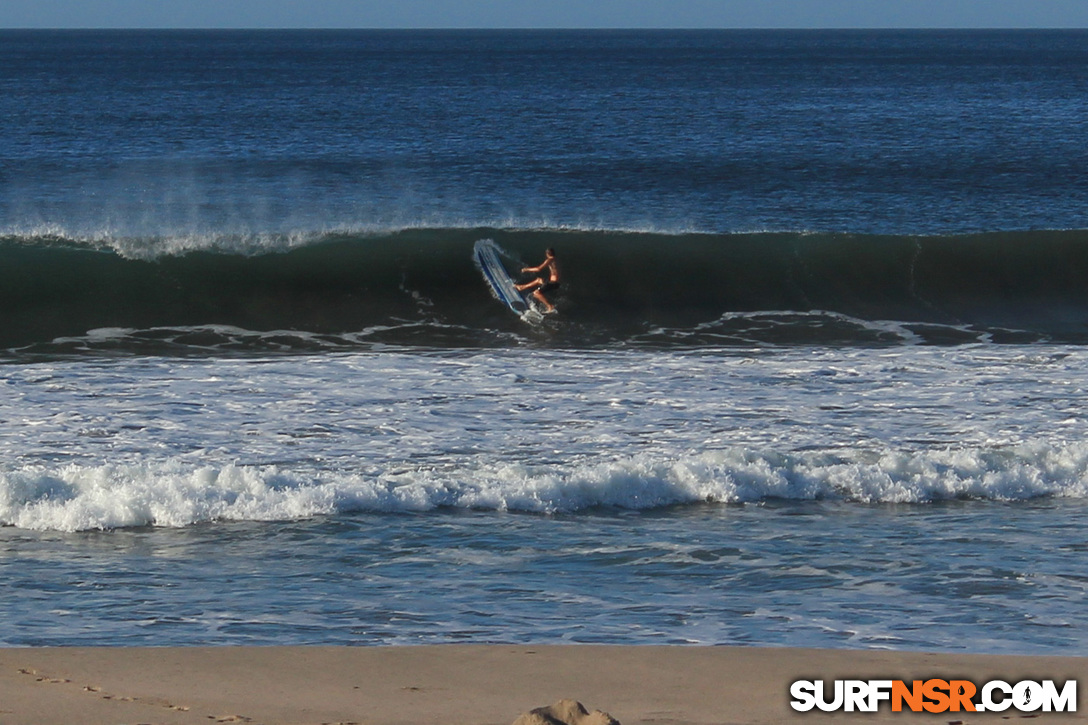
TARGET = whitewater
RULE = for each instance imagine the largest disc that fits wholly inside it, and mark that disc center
(540, 432)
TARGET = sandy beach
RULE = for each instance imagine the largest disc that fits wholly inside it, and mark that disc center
(469, 684)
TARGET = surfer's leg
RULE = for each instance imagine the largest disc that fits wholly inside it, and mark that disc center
(529, 285)
(548, 306)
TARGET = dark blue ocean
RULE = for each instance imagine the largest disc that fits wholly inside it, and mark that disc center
(816, 378)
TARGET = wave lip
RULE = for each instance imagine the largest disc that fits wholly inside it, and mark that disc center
(176, 494)
(619, 287)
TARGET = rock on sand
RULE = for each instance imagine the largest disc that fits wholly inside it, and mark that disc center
(565, 712)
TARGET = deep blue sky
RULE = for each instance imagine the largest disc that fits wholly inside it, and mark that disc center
(544, 14)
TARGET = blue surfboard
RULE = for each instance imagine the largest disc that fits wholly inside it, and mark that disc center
(488, 259)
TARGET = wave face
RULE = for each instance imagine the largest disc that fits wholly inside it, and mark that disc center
(420, 287)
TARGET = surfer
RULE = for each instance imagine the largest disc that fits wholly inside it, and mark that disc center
(547, 279)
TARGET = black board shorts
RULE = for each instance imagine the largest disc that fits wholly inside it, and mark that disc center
(549, 286)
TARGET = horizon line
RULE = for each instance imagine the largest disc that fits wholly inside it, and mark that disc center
(549, 28)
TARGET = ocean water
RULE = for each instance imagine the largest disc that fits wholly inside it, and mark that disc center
(817, 377)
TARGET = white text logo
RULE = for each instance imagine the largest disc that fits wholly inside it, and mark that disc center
(933, 695)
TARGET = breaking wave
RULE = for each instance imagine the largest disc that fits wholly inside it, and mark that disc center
(418, 286)
(174, 494)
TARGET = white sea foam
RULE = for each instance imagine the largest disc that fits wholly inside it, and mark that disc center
(176, 493)
(136, 242)
(166, 442)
